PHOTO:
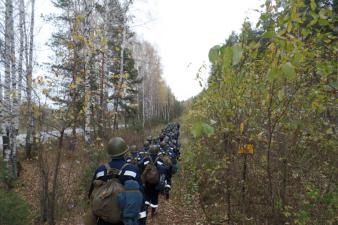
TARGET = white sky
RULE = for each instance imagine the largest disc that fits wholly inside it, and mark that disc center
(183, 31)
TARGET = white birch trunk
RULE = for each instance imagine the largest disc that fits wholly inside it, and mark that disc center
(10, 100)
(7, 87)
(21, 47)
(121, 72)
(143, 103)
(30, 124)
(1, 107)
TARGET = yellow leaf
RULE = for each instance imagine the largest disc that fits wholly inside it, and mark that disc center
(241, 128)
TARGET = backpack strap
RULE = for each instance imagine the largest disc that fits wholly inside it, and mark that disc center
(150, 160)
(157, 162)
(113, 171)
(123, 167)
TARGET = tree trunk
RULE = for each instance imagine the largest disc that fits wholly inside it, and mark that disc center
(21, 48)
(101, 109)
(143, 102)
(120, 85)
(270, 130)
(244, 206)
(44, 176)
(2, 108)
(29, 74)
(10, 100)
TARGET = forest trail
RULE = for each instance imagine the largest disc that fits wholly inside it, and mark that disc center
(182, 208)
(177, 212)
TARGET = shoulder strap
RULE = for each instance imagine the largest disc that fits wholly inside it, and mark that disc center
(151, 160)
(113, 171)
(123, 167)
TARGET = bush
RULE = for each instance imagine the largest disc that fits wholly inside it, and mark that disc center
(13, 209)
(5, 179)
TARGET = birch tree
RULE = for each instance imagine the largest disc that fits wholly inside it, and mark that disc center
(10, 104)
(155, 100)
(29, 78)
(2, 60)
(21, 46)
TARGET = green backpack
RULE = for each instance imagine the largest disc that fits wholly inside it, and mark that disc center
(104, 202)
(167, 161)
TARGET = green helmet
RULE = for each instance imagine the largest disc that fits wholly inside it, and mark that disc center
(154, 150)
(163, 144)
(146, 144)
(133, 148)
(116, 147)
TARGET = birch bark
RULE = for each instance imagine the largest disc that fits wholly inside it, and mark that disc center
(30, 124)
(21, 46)
(10, 98)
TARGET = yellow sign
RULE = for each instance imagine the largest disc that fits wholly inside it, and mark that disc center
(246, 149)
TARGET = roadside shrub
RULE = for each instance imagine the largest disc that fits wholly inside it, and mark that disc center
(13, 209)
(5, 179)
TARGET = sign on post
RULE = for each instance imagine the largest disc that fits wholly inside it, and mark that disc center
(246, 149)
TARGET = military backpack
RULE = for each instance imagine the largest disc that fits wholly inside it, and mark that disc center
(151, 174)
(104, 201)
(167, 160)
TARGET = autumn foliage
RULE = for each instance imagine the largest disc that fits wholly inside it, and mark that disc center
(273, 88)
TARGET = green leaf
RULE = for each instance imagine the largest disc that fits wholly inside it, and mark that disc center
(268, 34)
(305, 32)
(236, 54)
(322, 14)
(323, 22)
(329, 131)
(208, 130)
(214, 54)
(226, 53)
(289, 27)
(196, 130)
(200, 128)
(273, 74)
(288, 71)
(313, 5)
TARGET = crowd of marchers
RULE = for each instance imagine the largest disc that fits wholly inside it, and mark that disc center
(125, 190)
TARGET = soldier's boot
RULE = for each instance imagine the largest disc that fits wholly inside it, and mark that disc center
(153, 212)
(167, 193)
(146, 205)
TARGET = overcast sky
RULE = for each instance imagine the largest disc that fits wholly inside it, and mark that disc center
(183, 31)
